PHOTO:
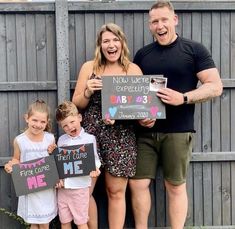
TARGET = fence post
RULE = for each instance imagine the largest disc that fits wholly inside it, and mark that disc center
(62, 45)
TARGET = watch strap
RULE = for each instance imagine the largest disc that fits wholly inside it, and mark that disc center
(185, 99)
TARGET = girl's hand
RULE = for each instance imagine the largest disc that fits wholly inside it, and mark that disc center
(51, 148)
(95, 173)
(8, 167)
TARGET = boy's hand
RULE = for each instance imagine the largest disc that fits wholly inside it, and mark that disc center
(51, 147)
(60, 184)
(95, 173)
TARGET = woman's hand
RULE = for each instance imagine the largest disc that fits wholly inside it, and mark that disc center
(93, 85)
(108, 121)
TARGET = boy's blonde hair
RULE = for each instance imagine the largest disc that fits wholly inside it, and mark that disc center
(40, 106)
(65, 109)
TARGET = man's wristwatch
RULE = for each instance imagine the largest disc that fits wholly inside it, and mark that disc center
(185, 99)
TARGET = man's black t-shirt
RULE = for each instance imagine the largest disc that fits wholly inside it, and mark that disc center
(179, 62)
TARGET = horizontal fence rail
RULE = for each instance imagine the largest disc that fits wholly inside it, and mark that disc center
(52, 85)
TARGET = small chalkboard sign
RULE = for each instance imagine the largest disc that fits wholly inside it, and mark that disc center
(76, 160)
(132, 97)
(35, 175)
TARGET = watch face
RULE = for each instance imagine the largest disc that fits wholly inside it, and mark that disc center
(185, 99)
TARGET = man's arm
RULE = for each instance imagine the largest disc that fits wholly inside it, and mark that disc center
(211, 86)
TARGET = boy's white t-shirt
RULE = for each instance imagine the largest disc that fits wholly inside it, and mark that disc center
(82, 138)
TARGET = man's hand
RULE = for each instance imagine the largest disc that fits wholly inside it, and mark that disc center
(147, 122)
(170, 96)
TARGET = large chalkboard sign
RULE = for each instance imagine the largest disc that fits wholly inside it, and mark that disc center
(35, 175)
(76, 160)
(132, 97)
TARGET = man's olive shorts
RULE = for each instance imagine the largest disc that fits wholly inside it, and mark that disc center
(170, 150)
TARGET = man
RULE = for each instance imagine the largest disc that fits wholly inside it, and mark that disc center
(169, 141)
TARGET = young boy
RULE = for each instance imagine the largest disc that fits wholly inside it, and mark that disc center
(73, 199)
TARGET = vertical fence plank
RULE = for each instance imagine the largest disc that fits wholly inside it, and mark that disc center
(226, 194)
(50, 47)
(187, 25)
(216, 107)
(216, 124)
(232, 61)
(109, 17)
(99, 21)
(3, 40)
(190, 192)
(225, 106)
(119, 20)
(233, 192)
(206, 107)
(198, 193)
(148, 38)
(207, 194)
(11, 47)
(226, 127)
(159, 205)
(128, 28)
(206, 131)
(72, 50)
(62, 46)
(90, 35)
(21, 47)
(138, 40)
(31, 47)
(80, 39)
(40, 29)
(216, 188)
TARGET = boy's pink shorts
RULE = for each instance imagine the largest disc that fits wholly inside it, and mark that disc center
(73, 205)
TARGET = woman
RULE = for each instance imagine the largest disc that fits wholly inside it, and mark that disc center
(115, 139)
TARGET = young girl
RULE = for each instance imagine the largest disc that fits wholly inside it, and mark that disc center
(38, 208)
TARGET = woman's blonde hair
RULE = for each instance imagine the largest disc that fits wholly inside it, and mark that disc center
(99, 59)
(40, 106)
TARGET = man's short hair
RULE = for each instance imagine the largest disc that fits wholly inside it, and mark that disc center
(161, 4)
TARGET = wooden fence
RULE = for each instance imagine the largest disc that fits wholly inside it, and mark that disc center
(42, 47)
